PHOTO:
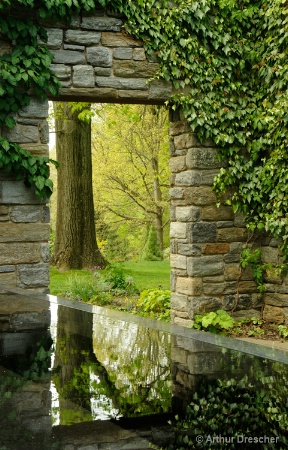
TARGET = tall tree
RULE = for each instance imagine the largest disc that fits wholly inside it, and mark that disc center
(130, 144)
(75, 241)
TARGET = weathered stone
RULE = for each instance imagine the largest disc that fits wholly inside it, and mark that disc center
(189, 249)
(244, 314)
(80, 48)
(187, 213)
(178, 302)
(273, 314)
(178, 230)
(231, 234)
(123, 53)
(188, 178)
(247, 287)
(83, 76)
(202, 158)
(178, 261)
(201, 305)
(202, 232)
(99, 56)
(22, 134)
(55, 38)
(68, 57)
(101, 23)
(219, 288)
(82, 37)
(216, 249)
(139, 54)
(20, 232)
(134, 69)
(205, 266)
(27, 213)
(46, 214)
(186, 140)
(61, 71)
(177, 164)
(18, 252)
(214, 214)
(202, 195)
(178, 128)
(45, 251)
(176, 193)
(205, 363)
(31, 275)
(232, 272)
(276, 299)
(243, 301)
(7, 278)
(36, 108)
(189, 286)
(30, 321)
(270, 255)
(37, 149)
(159, 90)
(44, 132)
(119, 40)
(15, 192)
(4, 210)
(103, 72)
(122, 83)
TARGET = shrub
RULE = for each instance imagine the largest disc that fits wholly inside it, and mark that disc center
(155, 302)
(214, 322)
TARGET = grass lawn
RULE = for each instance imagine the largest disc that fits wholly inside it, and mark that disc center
(146, 275)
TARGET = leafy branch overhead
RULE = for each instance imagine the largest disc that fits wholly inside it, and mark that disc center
(231, 58)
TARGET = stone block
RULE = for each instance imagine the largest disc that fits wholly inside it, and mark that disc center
(123, 53)
(139, 54)
(202, 232)
(178, 302)
(275, 299)
(270, 255)
(22, 134)
(274, 314)
(61, 71)
(55, 38)
(134, 69)
(188, 178)
(159, 90)
(177, 164)
(203, 158)
(231, 235)
(189, 249)
(36, 108)
(101, 23)
(99, 57)
(187, 213)
(247, 287)
(248, 313)
(8, 278)
(216, 249)
(119, 40)
(232, 272)
(212, 213)
(37, 149)
(83, 76)
(32, 275)
(189, 286)
(68, 57)
(205, 363)
(45, 252)
(21, 232)
(200, 196)
(178, 230)
(180, 127)
(103, 71)
(178, 261)
(185, 140)
(17, 252)
(204, 266)
(202, 305)
(176, 193)
(122, 83)
(182, 322)
(28, 213)
(80, 37)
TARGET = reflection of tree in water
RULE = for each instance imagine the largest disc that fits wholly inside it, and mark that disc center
(84, 383)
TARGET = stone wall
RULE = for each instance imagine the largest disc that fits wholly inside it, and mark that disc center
(96, 61)
(206, 241)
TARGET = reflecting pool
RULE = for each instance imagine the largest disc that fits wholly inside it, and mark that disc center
(74, 376)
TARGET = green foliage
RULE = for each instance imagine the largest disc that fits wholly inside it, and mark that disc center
(116, 279)
(92, 290)
(156, 303)
(214, 322)
(152, 250)
(231, 408)
(283, 331)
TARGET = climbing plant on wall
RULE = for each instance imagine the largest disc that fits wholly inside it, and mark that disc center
(228, 56)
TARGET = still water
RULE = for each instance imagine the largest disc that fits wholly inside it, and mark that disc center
(78, 377)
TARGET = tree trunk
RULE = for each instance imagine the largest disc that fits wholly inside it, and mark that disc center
(75, 242)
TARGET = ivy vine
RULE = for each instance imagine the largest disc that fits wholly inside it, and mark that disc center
(228, 58)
